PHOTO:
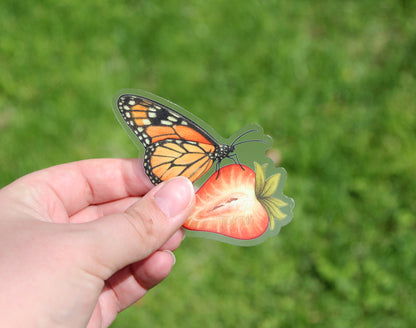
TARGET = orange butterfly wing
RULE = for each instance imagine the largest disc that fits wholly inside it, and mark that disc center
(174, 144)
(172, 157)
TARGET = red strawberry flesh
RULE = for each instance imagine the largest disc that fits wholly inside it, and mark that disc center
(228, 205)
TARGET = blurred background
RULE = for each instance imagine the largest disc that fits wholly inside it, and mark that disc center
(332, 82)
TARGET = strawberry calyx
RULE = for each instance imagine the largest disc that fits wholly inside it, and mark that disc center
(264, 190)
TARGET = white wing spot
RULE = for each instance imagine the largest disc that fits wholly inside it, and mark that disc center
(173, 119)
(131, 102)
(173, 113)
(152, 115)
(146, 121)
(166, 122)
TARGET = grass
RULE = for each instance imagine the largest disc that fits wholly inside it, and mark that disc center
(332, 82)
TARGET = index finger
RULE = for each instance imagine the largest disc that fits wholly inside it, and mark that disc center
(93, 181)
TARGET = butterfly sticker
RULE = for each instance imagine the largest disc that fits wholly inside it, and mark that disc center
(243, 205)
(174, 144)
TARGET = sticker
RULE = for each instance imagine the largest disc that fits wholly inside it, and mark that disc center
(240, 199)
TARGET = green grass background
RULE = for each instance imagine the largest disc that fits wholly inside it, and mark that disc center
(333, 82)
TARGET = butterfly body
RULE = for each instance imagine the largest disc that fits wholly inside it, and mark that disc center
(174, 144)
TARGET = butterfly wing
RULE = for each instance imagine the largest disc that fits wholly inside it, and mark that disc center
(173, 157)
(174, 144)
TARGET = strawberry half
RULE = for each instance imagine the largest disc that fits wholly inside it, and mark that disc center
(237, 204)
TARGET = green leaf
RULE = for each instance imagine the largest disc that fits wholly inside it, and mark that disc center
(271, 205)
(277, 202)
(260, 180)
(272, 223)
(269, 216)
(270, 186)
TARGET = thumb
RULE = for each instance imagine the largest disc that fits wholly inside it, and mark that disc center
(121, 239)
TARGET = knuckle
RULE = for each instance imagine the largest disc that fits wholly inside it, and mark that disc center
(144, 222)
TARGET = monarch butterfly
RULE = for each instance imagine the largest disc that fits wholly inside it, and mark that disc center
(174, 144)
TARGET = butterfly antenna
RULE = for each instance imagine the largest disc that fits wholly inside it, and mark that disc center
(234, 157)
(254, 140)
(242, 135)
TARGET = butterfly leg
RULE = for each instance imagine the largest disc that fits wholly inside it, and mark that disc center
(234, 157)
(218, 168)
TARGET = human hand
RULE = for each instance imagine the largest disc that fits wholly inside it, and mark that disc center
(80, 242)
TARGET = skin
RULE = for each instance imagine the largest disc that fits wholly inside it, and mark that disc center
(82, 241)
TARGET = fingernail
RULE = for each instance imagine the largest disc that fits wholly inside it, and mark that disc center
(174, 196)
(173, 255)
